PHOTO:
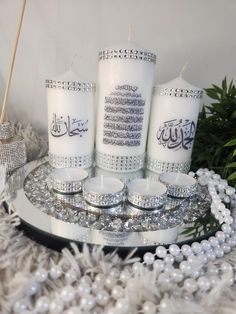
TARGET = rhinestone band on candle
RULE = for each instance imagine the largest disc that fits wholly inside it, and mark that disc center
(147, 194)
(120, 163)
(67, 181)
(160, 166)
(179, 184)
(70, 161)
(127, 54)
(178, 92)
(104, 191)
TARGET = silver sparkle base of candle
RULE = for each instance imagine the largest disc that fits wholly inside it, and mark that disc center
(102, 200)
(58, 161)
(65, 186)
(180, 191)
(120, 163)
(146, 201)
(12, 153)
(160, 166)
(6, 130)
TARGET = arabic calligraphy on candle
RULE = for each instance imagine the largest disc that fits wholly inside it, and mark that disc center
(176, 134)
(61, 126)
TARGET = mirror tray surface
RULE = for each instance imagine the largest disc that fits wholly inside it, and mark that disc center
(68, 217)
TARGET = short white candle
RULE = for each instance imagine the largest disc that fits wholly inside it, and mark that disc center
(104, 185)
(125, 80)
(146, 193)
(177, 178)
(70, 174)
(67, 180)
(175, 109)
(146, 187)
(103, 191)
(70, 121)
(179, 184)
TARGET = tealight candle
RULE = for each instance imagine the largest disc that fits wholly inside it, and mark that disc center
(146, 194)
(67, 181)
(179, 184)
(70, 121)
(103, 191)
(125, 80)
(175, 109)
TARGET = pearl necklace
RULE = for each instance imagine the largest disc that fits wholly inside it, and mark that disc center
(189, 268)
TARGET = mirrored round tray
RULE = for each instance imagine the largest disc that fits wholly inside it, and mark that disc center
(68, 217)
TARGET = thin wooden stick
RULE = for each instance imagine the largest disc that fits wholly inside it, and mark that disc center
(183, 69)
(4, 104)
(130, 33)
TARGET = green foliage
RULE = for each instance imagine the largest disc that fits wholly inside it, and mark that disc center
(215, 141)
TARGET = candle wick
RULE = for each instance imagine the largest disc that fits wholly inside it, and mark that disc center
(183, 69)
(73, 60)
(130, 33)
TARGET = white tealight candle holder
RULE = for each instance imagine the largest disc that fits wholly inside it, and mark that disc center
(104, 191)
(144, 193)
(179, 184)
(67, 181)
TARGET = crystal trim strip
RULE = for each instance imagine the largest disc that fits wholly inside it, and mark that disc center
(178, 92)
(160, 166)
(6, 130)
(127, 54)
(13, 153)
(146, 201)
(101, 200)
(120, 163)
(72, 86)
(181, 191)
(58, 161)
(65, 187)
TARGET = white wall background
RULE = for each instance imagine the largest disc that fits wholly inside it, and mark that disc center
(201, 32)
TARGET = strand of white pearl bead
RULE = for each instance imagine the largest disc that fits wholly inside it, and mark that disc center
(195, 272)
(207, 250)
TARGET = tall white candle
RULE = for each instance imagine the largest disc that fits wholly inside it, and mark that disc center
(70, 121)
(125, 80)
(175, 109)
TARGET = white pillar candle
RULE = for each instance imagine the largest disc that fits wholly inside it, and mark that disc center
(70, 121)
(145, 193)
(103, 191)
(125, 80)
(175, 109)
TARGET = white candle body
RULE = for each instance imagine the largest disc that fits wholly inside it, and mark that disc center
(146, 187)
(70, 120)
(124, 96)
(173, 123)
(104, 185)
